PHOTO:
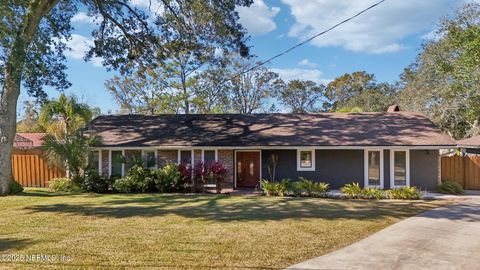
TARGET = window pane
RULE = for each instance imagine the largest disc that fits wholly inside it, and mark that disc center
(400, 168)
(252, 168)
(374, 168)
(208, 156)
(149, 160)
(185, 156)
(306, 159)
(132, 157)
(116, 163)
(94, 160)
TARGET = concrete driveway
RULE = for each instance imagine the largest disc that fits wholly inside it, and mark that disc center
(443, 238)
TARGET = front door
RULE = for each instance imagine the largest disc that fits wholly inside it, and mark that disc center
(248, 169)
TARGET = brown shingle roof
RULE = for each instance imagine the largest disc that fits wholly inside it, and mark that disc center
(323, 129)
(473, 142)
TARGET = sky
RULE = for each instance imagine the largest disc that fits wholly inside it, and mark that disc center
(382, 41)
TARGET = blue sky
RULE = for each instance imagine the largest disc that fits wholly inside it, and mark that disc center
(383, 41)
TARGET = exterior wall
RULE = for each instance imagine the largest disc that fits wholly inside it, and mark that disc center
(226, 157)
(197, 156)
(166, 156)
(340, 167)
(337, 167)
(424, 168)
(105, 162)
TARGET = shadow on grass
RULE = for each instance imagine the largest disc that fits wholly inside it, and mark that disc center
(6, 244)
(226, 209)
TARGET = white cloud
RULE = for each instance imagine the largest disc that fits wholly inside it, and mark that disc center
(82, 17)
(79, 45)
(154, 6)
(306, 63)
(380, 30)
(258, 18)
(288, 74)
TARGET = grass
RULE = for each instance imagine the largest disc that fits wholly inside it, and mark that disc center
(187, 231)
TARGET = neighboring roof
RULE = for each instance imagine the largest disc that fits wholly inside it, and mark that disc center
(473, 142)
(28, 140)
(243, 130)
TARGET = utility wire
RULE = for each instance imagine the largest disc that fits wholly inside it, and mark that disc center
(305, 41)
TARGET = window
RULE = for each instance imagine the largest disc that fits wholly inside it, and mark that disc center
(149, 159)
(305, 160)
(209, 156)
(116, 163)
(185, 156)
(374, 168)
(132, 157)
(399, 168)
(94, 161)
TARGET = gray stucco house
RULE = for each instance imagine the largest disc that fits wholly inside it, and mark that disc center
(385, 150)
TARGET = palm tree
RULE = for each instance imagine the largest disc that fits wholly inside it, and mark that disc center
(72, 152)
(64, 115)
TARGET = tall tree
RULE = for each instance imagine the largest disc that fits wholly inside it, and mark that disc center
(64, 115)
(359, 89)
(251, 90)
(211, 91)
(444, 82)
(301, 96)
(33, 37)
(142, 92)
(30, 121)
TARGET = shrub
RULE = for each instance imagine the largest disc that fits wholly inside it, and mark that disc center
(282, 187)
(63, 185)
(275, 189)
(268, 188)
(138, 179)
(218, 173)
(93, 182)
(14, 188)
(200, 173)
(450, 187)
(404, 193)
(352, 190)
(373, 193)
(168, 178)
(185, 170)
(309, 188)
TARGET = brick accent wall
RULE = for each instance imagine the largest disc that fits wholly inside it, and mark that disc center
(197, 156)
(105, 162)
(166, 156)
(227, 159)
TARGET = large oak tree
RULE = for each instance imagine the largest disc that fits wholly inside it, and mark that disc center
(34, 33)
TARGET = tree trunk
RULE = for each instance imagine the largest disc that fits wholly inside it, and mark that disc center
(37, 9)
(8, 120)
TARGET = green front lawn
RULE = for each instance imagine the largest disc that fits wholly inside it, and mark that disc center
(190, 231)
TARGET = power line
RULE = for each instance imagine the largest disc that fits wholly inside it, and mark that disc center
(305, 41)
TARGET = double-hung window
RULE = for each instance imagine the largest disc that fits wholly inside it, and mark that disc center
(305, 160)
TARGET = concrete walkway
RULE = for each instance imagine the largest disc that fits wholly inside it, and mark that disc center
(443, 238)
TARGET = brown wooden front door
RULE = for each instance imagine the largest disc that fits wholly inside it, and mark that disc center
(248, 169)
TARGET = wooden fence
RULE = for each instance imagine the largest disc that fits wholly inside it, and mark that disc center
(33, 171)
(463, 170)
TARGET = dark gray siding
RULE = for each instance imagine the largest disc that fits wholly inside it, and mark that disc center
(337, 167)
(424, 168)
